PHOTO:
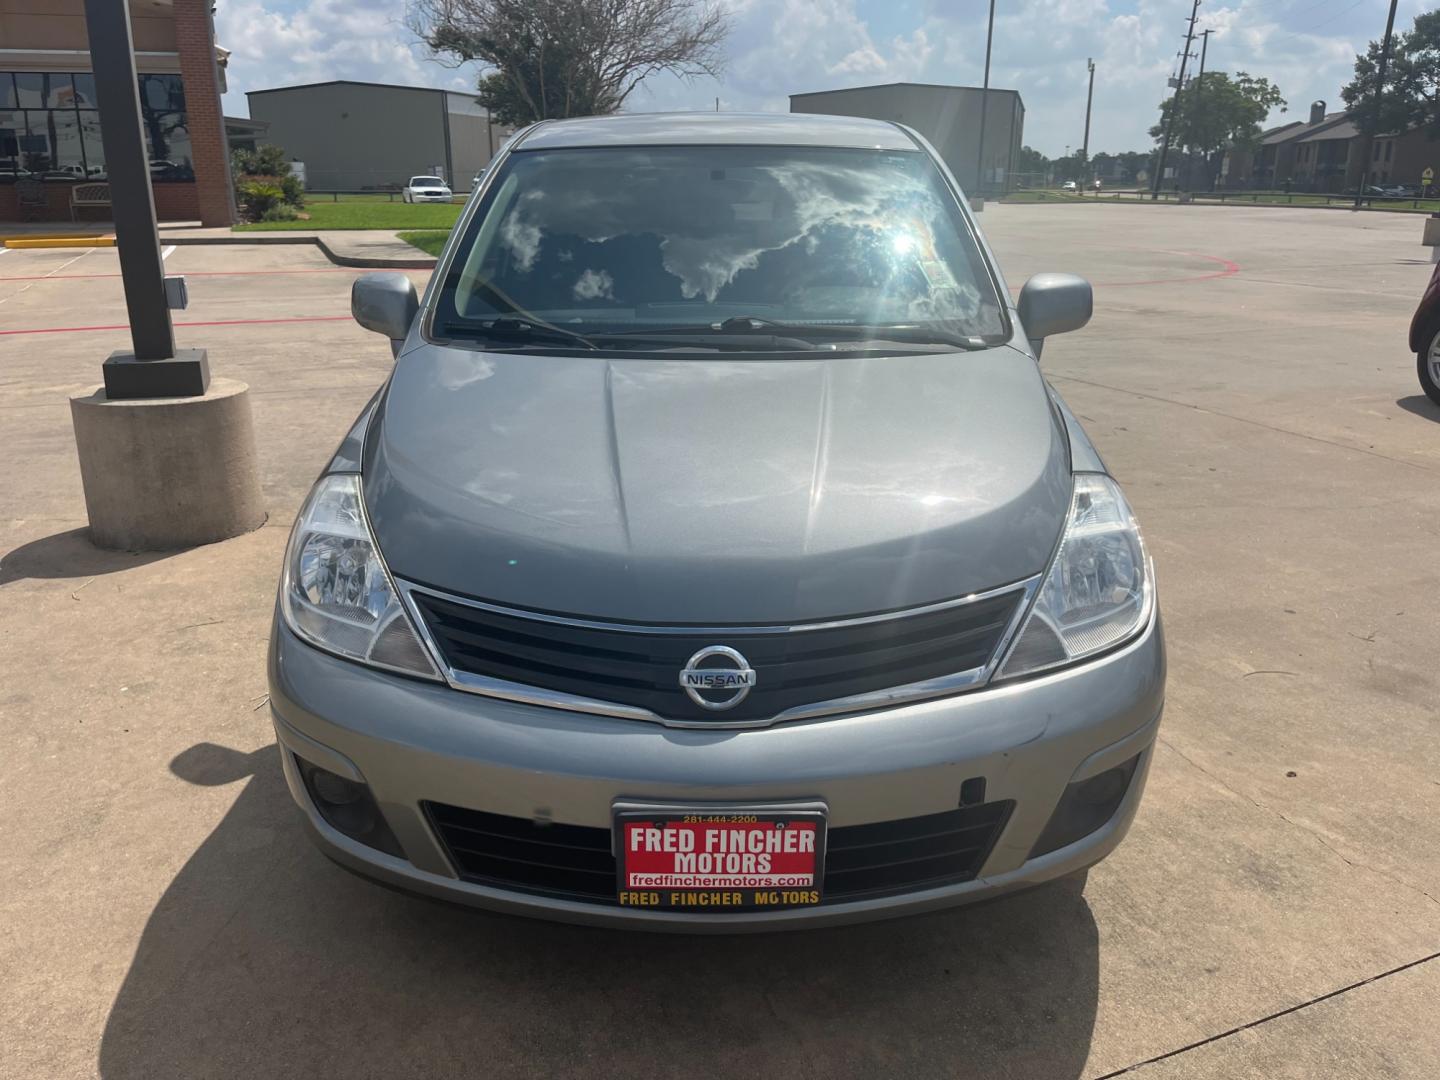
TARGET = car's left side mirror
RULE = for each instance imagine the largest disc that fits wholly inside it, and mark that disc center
(1054, 304)
(385, 303)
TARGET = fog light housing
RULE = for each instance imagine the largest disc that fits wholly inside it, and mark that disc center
(1086, 805)
(349, 807)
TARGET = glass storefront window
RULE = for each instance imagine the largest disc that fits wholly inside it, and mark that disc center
(12, 129)
(85, 90)
(162, 107)
(45, 90)
(49, 129)
(90, 141)
(66, 156)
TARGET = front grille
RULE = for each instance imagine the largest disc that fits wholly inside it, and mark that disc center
(575, 862)
(795, 666)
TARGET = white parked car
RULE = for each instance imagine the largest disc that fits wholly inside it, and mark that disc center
(1069, 185)
(426, 189)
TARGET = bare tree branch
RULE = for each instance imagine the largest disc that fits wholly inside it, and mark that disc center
(557, 58)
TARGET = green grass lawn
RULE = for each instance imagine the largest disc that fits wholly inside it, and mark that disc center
(372, 212)
(429, 241)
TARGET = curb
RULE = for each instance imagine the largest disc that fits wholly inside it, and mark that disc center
(67, 241)
(419, 262)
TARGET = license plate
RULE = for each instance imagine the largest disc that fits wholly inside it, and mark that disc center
(706, 861)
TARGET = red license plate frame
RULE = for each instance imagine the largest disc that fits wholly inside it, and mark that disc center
(683, 869)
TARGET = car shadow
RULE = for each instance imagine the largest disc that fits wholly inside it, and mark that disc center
(1420, 405)
(70, 554)
(264, 959)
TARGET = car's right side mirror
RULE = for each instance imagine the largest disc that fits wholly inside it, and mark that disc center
(1054, 304)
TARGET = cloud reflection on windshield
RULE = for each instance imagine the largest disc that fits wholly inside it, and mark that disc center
(818, 228)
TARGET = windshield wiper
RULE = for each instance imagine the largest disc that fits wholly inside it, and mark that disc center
(754, 324)
(534, 331)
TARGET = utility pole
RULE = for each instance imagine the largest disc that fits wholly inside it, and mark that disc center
(1175, 103)
(1367, 138)
(1199, 83)
(1089, 97)
(984, 105)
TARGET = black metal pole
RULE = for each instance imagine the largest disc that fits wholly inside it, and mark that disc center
(984, 104)
(1174, 104)
(127, 167)
(1367, 138)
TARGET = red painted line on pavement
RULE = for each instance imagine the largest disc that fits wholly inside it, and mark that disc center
(212, 322)
(1231, 267)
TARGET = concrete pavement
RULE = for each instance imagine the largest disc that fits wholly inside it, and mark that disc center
(1245, 376)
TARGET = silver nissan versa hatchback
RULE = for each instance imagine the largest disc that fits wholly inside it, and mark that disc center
(716, 556)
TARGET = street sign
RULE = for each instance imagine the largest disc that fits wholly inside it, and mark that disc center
(1428, 176)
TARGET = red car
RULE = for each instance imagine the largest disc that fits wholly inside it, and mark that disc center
(1425, 338)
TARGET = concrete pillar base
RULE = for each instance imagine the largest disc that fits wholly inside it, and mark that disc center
(164, 473)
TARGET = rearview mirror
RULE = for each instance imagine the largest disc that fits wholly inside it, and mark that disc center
(1054, 304)
(385, 303)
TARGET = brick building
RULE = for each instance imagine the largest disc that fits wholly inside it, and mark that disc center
(50, 130)
(1323, 155)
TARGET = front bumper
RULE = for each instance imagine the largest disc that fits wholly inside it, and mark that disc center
(417, 197)
(414, 742)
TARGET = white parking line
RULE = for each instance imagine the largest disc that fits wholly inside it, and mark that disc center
(30, 285)
(166, 253)
(5, 250)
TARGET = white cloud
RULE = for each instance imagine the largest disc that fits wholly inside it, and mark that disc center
(278, 43)
(780, 47)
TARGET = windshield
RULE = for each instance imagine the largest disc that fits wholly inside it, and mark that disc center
(636, 239)
(434, 181)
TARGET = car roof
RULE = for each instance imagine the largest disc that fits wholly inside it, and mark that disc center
(708, 129)
(427, 176)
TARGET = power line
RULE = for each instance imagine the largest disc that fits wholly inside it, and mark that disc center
(1175, 102)
(1322, 22)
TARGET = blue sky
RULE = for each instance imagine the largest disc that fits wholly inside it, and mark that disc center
(779, 47)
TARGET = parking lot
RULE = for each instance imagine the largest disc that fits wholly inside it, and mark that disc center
(1275, 911)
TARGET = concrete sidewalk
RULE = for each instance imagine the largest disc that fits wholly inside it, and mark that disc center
(379, 248)
(345, 247)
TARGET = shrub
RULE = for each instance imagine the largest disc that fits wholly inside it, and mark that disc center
(294, 191)
(266, 164)
(280, 212)
(257, 196)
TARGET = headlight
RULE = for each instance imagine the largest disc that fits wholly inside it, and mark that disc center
(1097, 591)
(336, 593)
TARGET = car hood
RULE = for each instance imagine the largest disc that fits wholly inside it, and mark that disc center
(710, 491)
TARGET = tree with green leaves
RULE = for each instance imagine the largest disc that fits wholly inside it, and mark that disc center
(1217, 112)
(1031, 160)
(1412, 91)
(560, 58)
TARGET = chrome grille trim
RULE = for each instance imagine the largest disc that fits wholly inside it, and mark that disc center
(910, 693)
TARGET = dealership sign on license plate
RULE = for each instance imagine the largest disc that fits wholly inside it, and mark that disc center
(719, 861)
